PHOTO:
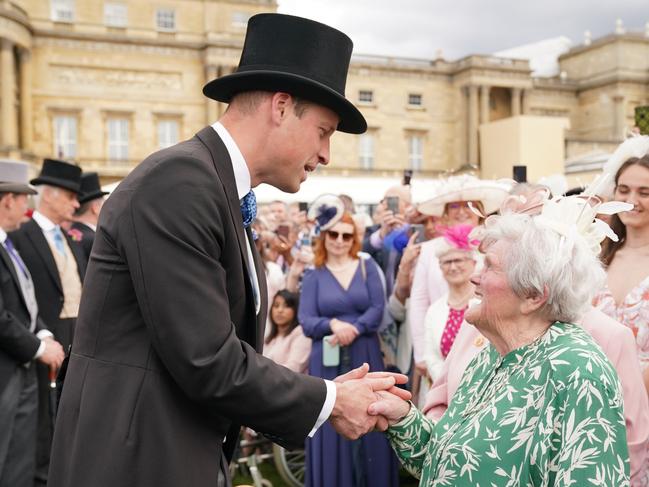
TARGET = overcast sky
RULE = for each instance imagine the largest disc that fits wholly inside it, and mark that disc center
(418, 28)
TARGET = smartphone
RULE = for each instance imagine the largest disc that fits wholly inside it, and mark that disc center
(283, 230)
(520, 174)
(303, 206)
(330, 353)
(418, 227)
(392, 203)
(642, 119)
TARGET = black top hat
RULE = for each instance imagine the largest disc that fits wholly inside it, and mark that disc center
(90, 187)
(59, 173)
(299, 56)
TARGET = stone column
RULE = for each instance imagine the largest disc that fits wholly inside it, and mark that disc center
(27, 132)
(473, 124)
(619, 117)
(8, 132)
(211, 106)
(516, 102)
(484, 104)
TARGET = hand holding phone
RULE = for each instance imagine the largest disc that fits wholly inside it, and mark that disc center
(421, 234)
(392, 204)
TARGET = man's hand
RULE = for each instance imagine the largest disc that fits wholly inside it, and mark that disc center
(344, 333)
(356, 390)
(53, 355)
(390, 407)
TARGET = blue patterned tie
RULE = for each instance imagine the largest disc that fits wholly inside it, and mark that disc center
(248, 208)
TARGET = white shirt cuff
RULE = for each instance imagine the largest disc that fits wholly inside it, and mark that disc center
(327, 407)
(40, 351)
(44, 334)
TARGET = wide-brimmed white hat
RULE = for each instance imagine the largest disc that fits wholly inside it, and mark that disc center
(466, 188)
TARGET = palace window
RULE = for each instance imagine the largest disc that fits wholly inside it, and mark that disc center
(165, 19)
(167, 133)
(118, 139)
(415, 99)
(115, 14)
(365, 96)
(65, 136)
(366, 151)
(62, 10)
(415, 152)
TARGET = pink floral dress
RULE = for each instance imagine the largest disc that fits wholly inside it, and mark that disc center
(632, 312)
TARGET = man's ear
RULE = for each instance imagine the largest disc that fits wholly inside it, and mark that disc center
(280, 103)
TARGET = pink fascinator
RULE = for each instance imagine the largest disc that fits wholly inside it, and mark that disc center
(458, 237)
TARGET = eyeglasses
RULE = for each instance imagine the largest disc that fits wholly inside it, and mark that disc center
(457, 205)
(446, 264)
(334, 235)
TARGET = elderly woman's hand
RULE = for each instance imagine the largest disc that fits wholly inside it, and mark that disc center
(391, 407)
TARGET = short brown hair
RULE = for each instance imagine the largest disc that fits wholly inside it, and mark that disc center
(320, 252)
(248, 101)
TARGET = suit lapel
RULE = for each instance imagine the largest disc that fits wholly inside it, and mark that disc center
(223, 165)
(9, 263)
(36, 236)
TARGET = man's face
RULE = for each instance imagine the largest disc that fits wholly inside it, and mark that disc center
(16, 206)
(302, 144)
(61, 204)
(278, 210)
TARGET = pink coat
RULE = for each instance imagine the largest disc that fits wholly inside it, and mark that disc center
(291, 351)
(617, 342)
(428, 286)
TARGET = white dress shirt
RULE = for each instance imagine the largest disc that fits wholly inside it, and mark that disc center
(242, 180)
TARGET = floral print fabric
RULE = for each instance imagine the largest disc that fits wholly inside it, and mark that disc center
(547, 414)
(453, 323)
(632, 312)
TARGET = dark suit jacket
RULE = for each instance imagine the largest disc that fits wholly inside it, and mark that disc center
(18, 345)
(165, 360)
(35, 251)
(87, 238)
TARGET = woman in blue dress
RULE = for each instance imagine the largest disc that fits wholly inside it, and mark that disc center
(342, 300)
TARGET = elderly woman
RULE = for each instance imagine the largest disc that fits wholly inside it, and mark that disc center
(541, 405)
(457, 260)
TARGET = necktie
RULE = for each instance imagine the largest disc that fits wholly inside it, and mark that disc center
(248, 208)
(11, 250)
(58, 240)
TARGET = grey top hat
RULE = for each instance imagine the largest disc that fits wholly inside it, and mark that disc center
(14, 177)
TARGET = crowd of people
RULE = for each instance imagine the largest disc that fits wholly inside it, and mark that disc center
(490, 334)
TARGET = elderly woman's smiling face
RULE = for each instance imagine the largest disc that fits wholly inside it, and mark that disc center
(498, 300)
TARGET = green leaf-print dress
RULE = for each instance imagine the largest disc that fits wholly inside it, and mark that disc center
(547, 414)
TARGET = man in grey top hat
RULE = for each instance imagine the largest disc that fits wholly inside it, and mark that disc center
(23, 339)
(57, 265)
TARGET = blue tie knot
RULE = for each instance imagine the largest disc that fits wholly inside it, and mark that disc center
(248, 208)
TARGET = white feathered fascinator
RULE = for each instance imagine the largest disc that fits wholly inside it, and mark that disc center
(635, 146)
(574, 217)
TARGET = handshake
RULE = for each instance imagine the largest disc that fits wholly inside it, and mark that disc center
(368, 401)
